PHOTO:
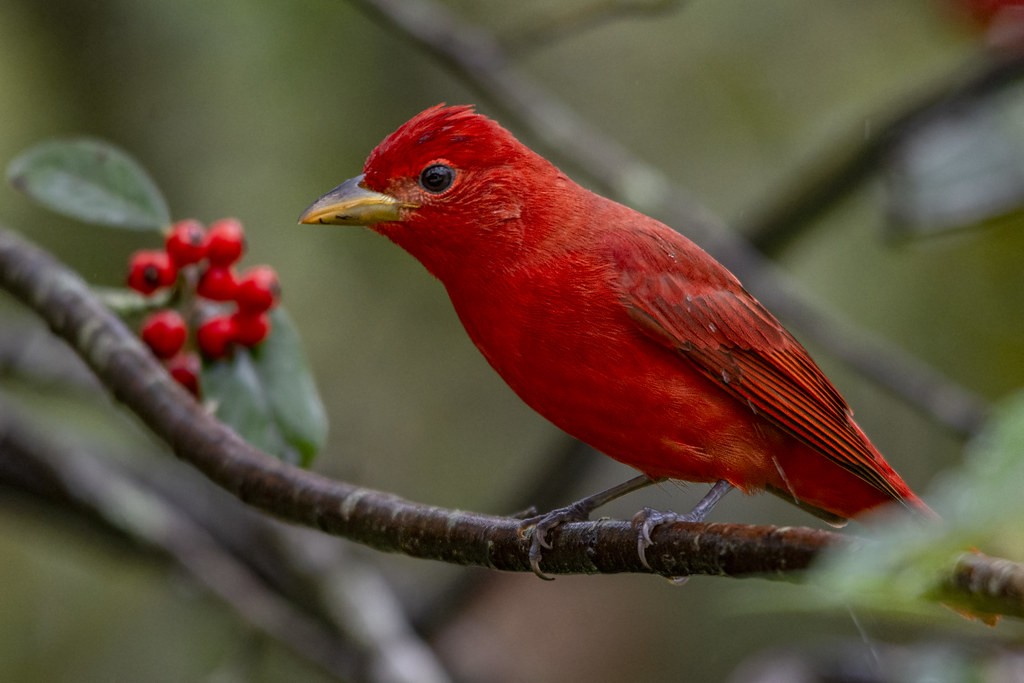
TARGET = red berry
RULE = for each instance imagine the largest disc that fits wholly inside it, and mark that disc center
(185, 368)
(217, 283)
(186, 243)
(258, 290)
(215, 336)
(225, 241)
(251, 328)
(164, 332)
(150, 270)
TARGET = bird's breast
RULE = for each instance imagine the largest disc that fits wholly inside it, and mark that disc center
(562, 340)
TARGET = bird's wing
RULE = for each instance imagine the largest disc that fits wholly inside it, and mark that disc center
(712, 322)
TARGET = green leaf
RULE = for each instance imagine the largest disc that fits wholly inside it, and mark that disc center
(294, 399)
(268, 396)
(232, 386)
(92, 181)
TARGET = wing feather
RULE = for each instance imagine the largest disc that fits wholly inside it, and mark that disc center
(712, 322)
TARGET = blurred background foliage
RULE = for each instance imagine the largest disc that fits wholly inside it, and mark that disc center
(252, 109)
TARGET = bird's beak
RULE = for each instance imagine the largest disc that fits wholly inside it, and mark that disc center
(353, 204)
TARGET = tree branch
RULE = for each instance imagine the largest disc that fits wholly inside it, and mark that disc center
(382, 520)
(985, 583)
(377, 519)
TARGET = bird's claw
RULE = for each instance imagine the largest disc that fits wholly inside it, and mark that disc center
(646, 521)
(540, 525)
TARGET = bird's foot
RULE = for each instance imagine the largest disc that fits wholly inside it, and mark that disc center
(649, 519)
(542, 524)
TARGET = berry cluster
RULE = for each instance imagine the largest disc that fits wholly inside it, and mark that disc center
(201, 263)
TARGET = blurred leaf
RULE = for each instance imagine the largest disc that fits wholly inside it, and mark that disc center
(960, 171)
(92, 181)
(237, 395)
(984, 499)
(902, 559)
(268, 395)
(294, 399)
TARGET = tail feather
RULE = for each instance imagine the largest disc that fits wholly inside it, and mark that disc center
(824, 515)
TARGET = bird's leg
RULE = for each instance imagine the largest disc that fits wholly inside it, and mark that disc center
(576, 512)
(648, 519)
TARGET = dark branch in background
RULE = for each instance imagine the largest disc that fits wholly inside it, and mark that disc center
(298, 587)
(558, 23)
(786, 213)
(376, 519)
(29, 351)
(95, 489)
(478, 58)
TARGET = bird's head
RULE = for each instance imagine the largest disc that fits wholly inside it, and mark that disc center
(447, 186)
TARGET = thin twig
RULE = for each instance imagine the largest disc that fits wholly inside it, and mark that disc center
(558, 24)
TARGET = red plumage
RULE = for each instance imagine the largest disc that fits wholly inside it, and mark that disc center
(616, 328)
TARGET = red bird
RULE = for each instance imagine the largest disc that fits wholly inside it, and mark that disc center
(613, 326)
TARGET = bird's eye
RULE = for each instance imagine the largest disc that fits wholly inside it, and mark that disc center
(437, 178)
